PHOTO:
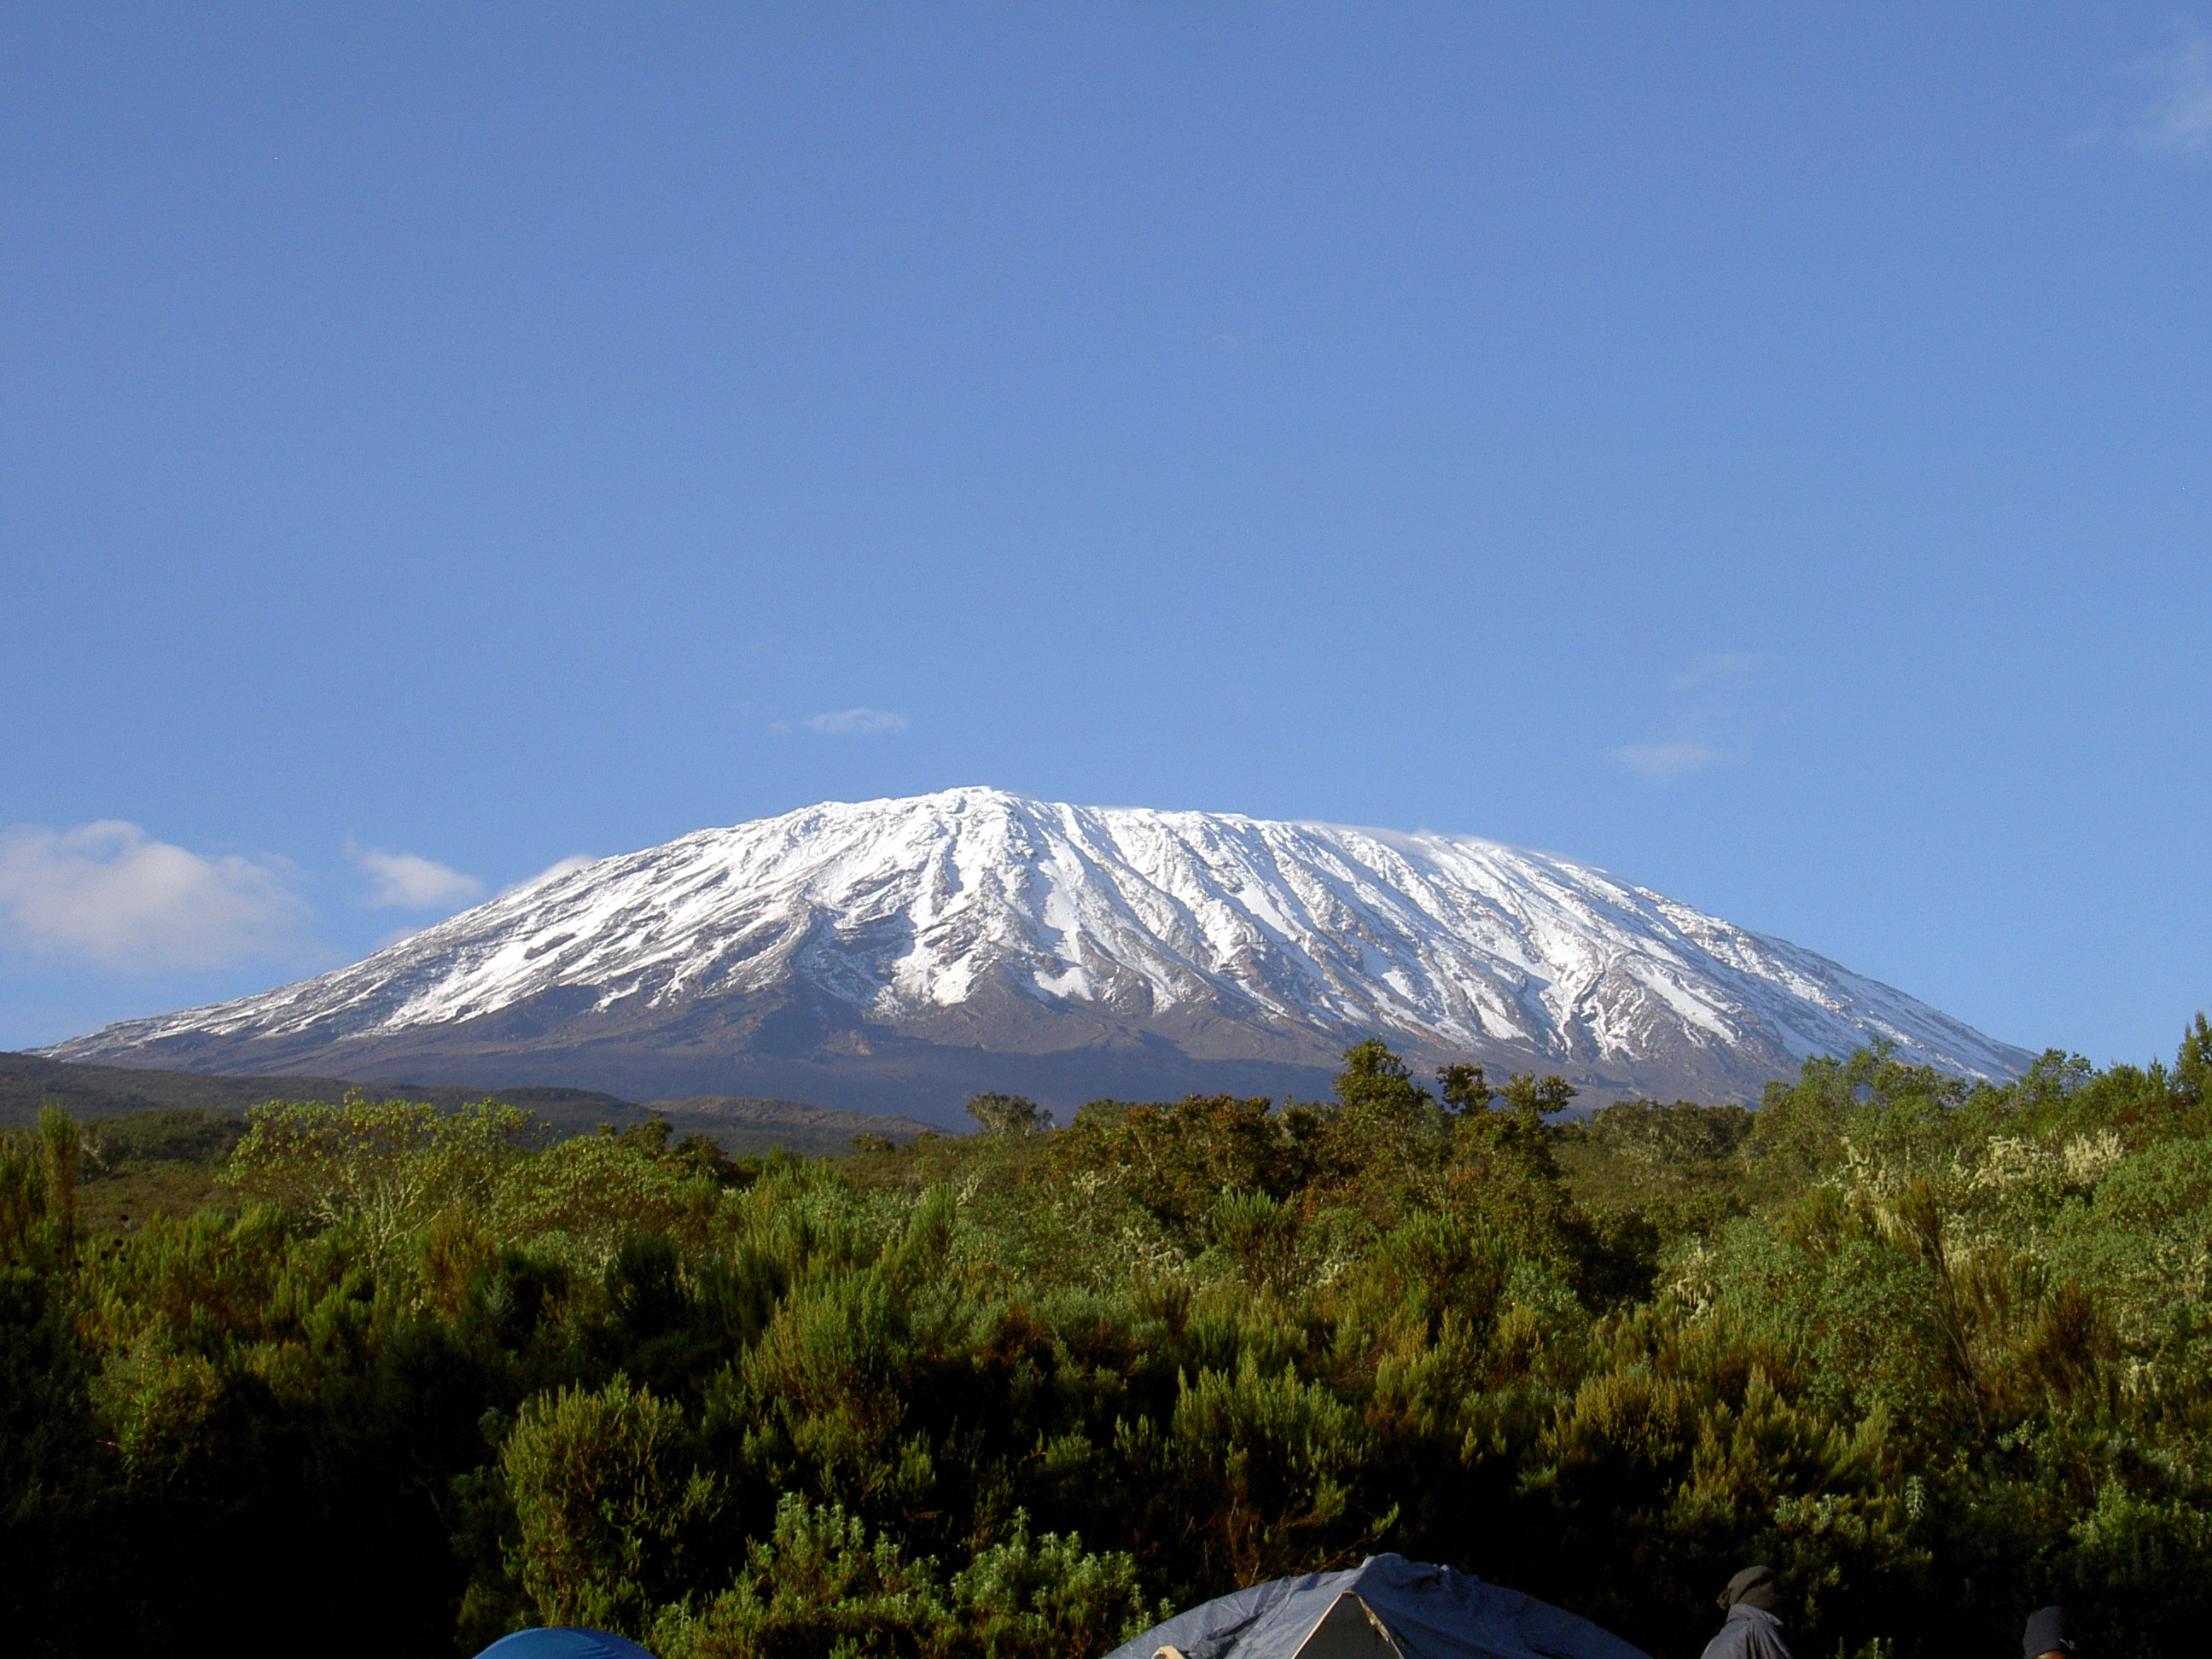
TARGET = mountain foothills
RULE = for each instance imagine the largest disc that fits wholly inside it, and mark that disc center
(30, 1083)
(898, 955)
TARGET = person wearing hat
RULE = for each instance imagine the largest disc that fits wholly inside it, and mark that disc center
(2045, 1636)
(1752, 1629)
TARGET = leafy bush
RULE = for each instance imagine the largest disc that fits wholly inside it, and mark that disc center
(1938, 1351)
(605, 1490)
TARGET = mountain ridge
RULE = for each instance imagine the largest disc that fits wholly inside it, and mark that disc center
(896, 951)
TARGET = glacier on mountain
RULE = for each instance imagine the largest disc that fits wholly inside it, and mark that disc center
(984, 921)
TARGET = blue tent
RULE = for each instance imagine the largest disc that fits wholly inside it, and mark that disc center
(1386, 1607)
(563, 1642)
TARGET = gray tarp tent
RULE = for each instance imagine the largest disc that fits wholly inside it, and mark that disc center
(1386, 1607)
(563, 1642)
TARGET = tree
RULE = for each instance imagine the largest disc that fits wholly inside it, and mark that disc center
(57, 1149)
(2192, 1066)
(388, 1166)
(1534, 1098)
(1012, 1116)
(1374, 1079)
(1464, 1087)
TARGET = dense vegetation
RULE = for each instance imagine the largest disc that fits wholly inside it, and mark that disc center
(1938, 1352)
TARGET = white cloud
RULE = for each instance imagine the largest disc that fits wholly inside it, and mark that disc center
(2179, 121)
(403, 881)
(848, 723)
(1663, 762)
(109, 894)
(1714, 704)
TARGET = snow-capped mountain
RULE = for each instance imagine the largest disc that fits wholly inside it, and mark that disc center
(900, 953)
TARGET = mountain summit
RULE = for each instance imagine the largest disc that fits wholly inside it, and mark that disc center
(900, 954)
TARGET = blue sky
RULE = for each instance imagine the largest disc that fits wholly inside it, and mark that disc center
(1765, 451)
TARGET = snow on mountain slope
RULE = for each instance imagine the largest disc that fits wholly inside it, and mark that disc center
(979, 920)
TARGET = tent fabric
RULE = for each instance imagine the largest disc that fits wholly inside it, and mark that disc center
(1430, 1613)
(1349, 1631)
(563, 1642)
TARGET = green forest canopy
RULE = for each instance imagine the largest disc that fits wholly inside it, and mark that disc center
(409, 1378)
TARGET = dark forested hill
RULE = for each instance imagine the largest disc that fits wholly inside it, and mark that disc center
(27, 1081)
(739, 1124)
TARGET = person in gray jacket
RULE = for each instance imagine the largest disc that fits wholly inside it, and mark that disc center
(1752, 1630)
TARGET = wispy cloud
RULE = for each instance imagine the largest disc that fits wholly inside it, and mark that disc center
(405, 881)
(2178, 121)
(1717, 668)
(846, 723)
(1663, 763)
(1711, 707)
(110, 895)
